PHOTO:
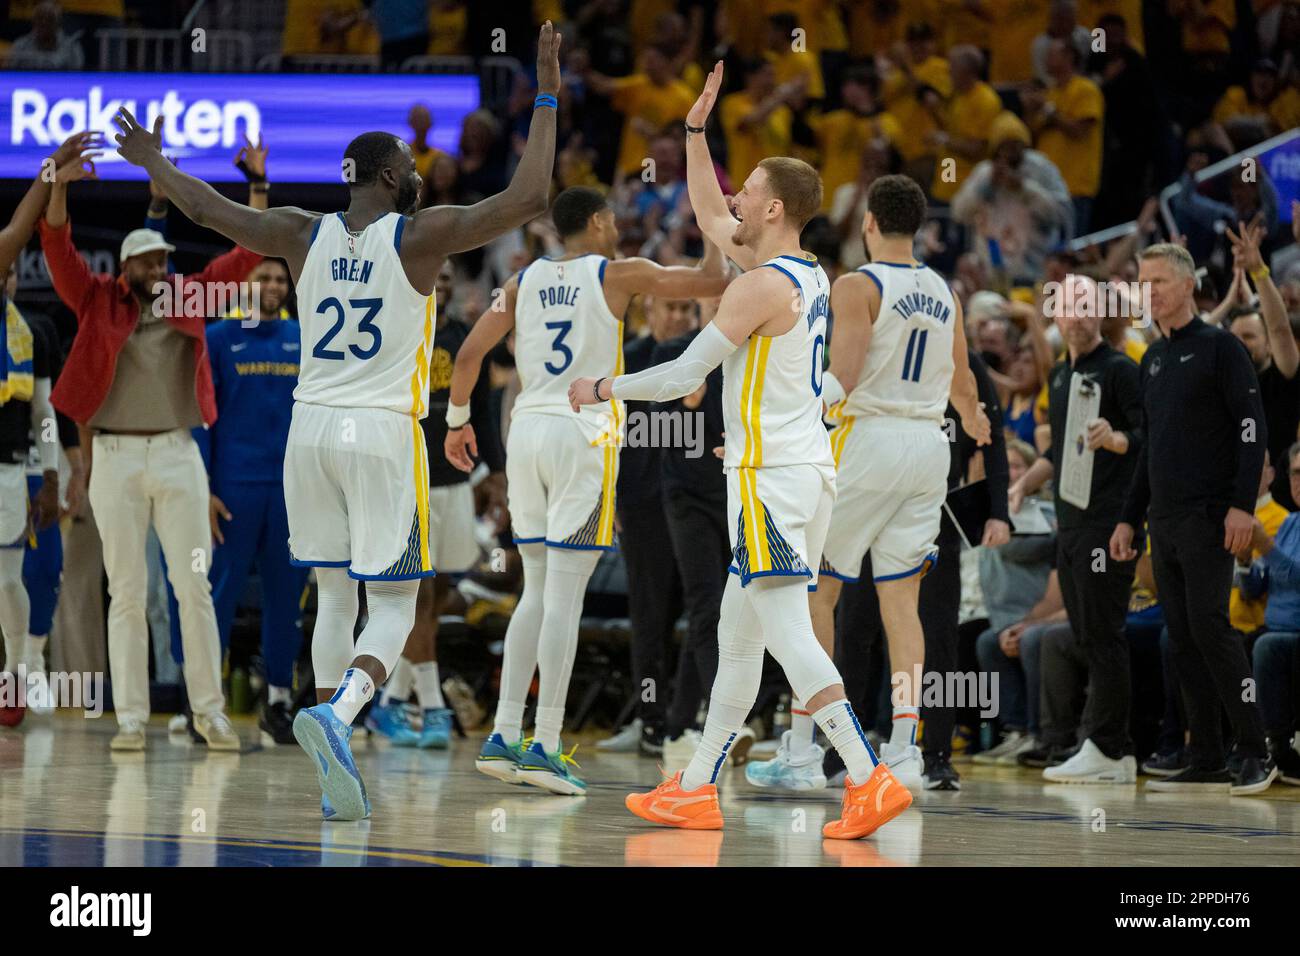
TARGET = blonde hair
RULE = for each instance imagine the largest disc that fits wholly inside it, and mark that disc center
(1174, 254)
(796, 184)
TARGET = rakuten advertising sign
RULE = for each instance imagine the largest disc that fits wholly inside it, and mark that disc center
(307, 119)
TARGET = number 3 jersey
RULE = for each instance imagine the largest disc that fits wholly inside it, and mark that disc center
(366, 333)
(772, 385)
(908, 371)
(564, 330)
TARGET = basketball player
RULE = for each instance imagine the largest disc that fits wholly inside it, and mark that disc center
(560, 470)
(24, 411)
(899, 351)
(769, 335)
(355, 471)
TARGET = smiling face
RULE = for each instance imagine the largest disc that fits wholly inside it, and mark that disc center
(753, 206)
(144, 272)
(272, 279)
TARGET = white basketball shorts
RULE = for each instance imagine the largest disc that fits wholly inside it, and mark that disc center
(560, 487)
(356, 487)
(892, 475)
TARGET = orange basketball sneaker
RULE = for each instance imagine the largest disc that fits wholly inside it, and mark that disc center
(668, 804)
(868, 806)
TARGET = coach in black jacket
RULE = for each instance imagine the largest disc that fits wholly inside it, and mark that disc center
(1198, 473)
(1095, 589)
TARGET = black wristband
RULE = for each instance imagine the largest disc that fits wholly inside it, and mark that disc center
(595, 389)
(694, 129)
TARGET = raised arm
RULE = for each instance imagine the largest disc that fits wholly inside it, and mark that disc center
(706, 280)
(437, 232)
(1281, 343)
(282, 231)
(711, 210)
(73, 154)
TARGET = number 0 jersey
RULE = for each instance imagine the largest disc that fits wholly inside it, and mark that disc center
(366, 333)
(908, 370)
(772, 386)
(564, 330)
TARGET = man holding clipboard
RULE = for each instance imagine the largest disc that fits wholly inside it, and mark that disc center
(1095, 411)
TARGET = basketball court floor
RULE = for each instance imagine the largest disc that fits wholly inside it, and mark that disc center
(65, 800)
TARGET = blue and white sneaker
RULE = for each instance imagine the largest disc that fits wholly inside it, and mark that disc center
(788, 772)
(389, 720)
(436, 732)
(499, 759)
(325, 738)
(551, 771)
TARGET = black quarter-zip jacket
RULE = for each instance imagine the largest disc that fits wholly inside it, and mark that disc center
(1205, 431)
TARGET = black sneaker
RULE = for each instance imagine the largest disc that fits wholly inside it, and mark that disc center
(1165, 765)
(938, 773)
(1288, 762)
(278, 722)
(1194, 780)
(1045, 756)
(1255, 776)
(651, 743)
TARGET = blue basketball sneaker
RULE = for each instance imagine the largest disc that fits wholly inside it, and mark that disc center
(500, 759)
(389, 720)
(436, 732)
(789, 772)
(325, 738)
(551, 771)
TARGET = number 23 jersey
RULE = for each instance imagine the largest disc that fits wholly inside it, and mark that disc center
(366, 332)
(564, 330)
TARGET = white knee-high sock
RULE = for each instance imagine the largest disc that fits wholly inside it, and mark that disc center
(391, 607)
(519, 660)
(803, 729)
(15, 607)
(841, 727)
(428, 689)
(740, 671)
(336, 619)
(567, 574)
(906, 717)
(400, 681)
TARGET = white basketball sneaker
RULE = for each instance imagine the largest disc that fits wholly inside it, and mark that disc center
(1090, 765)
(905, 763)
(788, 771)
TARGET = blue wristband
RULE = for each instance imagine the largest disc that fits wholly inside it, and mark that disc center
(546, 99)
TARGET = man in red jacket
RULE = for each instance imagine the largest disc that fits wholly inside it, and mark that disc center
(138, 377)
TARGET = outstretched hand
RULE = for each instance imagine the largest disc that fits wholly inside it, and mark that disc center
(135, 143)
(548, 60)
(699, 114)
(77, 146)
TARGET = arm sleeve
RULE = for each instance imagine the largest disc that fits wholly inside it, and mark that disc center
(996, 469)
(683, 375)
(1246, 406)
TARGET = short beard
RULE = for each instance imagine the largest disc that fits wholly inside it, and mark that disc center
(408, 199)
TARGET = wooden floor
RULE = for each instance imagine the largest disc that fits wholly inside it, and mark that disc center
(66, 801)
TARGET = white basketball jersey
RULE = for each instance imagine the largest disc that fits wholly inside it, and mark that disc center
(366, 333)
(772, 386)
(908, 370)
(564, 330)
